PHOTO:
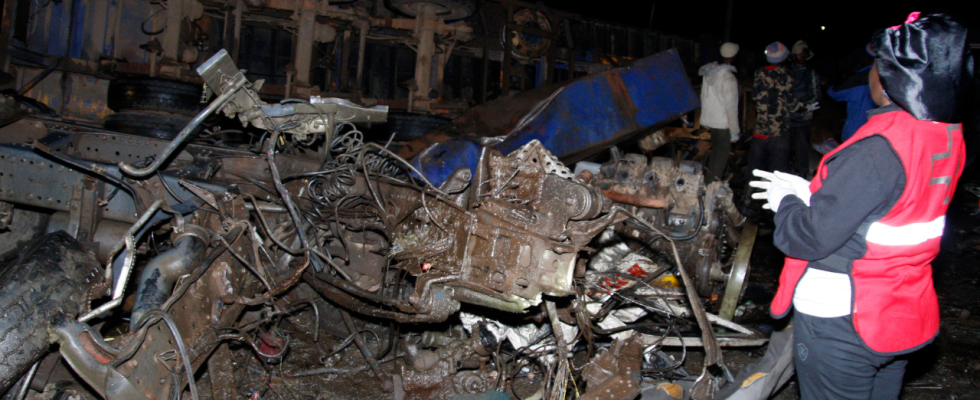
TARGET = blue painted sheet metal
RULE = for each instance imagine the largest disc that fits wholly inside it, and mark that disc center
(94, 22)
(584, 116)
(78, 28)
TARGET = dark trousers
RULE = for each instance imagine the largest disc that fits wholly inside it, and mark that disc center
(721, 146)
(832, 362)
(770, 154)
(799, 149)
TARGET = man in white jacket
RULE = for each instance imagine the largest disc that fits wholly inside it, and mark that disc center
(719, 108)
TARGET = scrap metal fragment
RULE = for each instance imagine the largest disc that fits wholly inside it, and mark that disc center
(614, 373)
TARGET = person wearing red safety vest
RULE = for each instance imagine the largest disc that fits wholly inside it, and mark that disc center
(860, 237)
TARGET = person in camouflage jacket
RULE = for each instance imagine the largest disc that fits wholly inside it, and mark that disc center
(806, 94)
(773, 101)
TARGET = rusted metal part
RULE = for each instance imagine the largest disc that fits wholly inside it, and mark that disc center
(355, 305)
(660, 179)
(456, 183)
(614, 373)
(636, 200)
(151, 376)
(701, 217)
(514, 241)
(86, 210)
(160, 274)
(445, 367)
(581, 232)
(83, 349)
(352, 289)
(194, 314)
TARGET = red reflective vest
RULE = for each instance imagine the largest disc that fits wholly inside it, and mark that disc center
(894, 306)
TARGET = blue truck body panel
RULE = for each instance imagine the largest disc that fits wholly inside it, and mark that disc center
(584, 115)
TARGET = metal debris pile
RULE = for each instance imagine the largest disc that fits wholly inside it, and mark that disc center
(518, 278)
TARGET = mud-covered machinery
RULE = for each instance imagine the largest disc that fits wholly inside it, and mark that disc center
(699, 217)
(502, 246)
(174, 268)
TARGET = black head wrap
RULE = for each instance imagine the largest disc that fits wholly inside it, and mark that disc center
(926, 67)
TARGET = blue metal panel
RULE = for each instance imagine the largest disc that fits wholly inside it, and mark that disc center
(585, 115)
(57, 29)
(78, 28)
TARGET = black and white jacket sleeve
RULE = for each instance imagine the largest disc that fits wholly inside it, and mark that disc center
(863, 181)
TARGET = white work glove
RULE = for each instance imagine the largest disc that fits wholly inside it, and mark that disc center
(813, 106)
(800, 186)
(735, 137)
(779, 185)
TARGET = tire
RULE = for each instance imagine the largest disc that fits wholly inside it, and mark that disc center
(154, 94)
(53, 276)
(148, 124)
(25, 226)
(449, 10)
(408, 127)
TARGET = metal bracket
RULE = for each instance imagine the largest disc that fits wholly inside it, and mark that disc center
(129, 242)
(203, 193)
(84, 211)
(75, 211)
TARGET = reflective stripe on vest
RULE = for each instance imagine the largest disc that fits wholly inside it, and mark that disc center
(905, 235)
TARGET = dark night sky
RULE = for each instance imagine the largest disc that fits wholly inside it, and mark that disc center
(849, 24)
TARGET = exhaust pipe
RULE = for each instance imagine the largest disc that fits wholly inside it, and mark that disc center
(158, 278)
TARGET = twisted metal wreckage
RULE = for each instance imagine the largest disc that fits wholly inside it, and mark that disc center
(511, 275)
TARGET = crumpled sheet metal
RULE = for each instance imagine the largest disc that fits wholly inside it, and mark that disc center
(521, 335)
(583, 116)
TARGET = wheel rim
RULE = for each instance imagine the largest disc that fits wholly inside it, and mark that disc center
(740, 271)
